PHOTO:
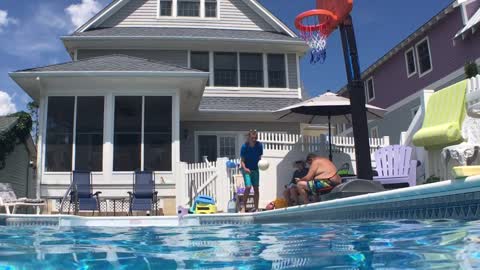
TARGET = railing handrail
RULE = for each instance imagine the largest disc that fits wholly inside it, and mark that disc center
(70, 188)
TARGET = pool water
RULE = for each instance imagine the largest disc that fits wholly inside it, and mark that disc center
(441, 244)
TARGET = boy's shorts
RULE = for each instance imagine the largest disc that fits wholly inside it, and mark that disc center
(252, 178)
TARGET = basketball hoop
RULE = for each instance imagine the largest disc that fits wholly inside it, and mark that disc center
(316, 25)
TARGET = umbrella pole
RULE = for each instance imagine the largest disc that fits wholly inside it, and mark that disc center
(357, 100)
(329, 139)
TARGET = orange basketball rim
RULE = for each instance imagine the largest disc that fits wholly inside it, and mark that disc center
(325, 18)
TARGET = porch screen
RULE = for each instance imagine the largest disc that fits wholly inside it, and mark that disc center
(158, 134)
(89, 134)
(59, 137)
(127, 133)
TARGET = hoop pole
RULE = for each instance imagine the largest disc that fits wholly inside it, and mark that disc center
(357, 100)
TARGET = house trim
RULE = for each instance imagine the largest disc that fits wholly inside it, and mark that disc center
(109, 10)
(23, 74)
(420, 74)
(411, 49)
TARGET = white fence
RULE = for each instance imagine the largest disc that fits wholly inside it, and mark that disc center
(280, 150)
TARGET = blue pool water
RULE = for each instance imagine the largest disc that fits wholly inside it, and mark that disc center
(442, 244)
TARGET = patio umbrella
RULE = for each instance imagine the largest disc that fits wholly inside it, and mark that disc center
(328, 107)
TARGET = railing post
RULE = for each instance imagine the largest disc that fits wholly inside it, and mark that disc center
(386, 141)
(222, 185)
(180, 185)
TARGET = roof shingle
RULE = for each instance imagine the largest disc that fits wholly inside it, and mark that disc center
(114, 62)
(191, 33)
(245, 104)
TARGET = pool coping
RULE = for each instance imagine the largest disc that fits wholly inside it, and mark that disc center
(458, 198)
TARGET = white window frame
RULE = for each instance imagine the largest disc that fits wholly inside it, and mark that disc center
(201, 12)
(237, 134)
(365, 86)
(238, 87)
(409, 75)
(420, 74)
(374, 130)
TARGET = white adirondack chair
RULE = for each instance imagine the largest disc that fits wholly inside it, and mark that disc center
(394, 165)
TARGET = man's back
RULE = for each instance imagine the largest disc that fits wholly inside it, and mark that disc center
(325, 169)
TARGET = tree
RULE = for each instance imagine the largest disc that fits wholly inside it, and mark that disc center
(471, 69)
(33, 111)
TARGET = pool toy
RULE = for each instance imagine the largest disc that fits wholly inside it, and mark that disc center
(204, 204)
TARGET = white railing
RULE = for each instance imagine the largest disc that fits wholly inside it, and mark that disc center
(473, 96)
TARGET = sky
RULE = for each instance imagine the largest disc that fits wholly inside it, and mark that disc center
(30, 32)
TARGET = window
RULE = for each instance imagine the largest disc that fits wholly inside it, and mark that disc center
(127, 133)
(89, 134)
(200, 61)
(410, 62)
(276, 71)
(369, 89)
(165, 7)
(424, 57)
(188, 8)
(414, 111)
(251, 70)
(374, 132)
(214, 146)
(158, 134)
(59, 137)
(225, 69)
(210, 8)
(207, 146)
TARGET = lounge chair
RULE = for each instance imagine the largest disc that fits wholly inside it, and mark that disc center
(8, 199)
(394, 165)
(144, 195)
(82, 195)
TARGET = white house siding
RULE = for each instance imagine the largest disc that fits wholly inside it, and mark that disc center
(292, 71)
(234, 14)
(167, 56)
(18, 172)
(188, 130)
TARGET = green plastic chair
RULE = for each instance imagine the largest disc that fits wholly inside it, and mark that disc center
(443, 120)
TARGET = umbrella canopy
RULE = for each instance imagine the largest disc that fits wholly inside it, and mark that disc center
(317, 110)
(326, 108)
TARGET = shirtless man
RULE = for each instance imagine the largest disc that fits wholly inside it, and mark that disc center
(322, 174)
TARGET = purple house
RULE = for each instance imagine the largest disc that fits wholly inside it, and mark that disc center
(429, 59)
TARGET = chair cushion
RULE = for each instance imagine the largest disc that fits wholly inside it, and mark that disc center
(88, 204)
(438, 136)
(141, 204)
(443, 118)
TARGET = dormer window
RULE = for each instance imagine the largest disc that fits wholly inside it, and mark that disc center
(188, 8)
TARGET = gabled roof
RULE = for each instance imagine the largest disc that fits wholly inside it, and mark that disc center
(183, 33)
(112, 63)
(244, 104)
(7, 122)
(115, 5)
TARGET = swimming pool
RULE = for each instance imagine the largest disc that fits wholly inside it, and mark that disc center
(401, 244)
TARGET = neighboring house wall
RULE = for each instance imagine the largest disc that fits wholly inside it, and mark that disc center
(18, 172)
(472, 8)
(390, 79)
(188, 129)
(292, 71)
(395, 122)
(168, 56)
(234, 14)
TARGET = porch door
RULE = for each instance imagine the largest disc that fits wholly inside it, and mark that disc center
(207, 146)
(227, 146)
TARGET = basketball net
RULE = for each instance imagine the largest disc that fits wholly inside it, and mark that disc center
(316, 39)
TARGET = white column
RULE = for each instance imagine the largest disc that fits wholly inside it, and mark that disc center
(42, 113)
(108, 125)
(222, 185)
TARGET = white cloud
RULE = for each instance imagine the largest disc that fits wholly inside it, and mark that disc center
(5, 19)
(80, 13)
(6, 104)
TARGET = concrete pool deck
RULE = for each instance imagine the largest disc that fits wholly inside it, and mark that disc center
(452, 199)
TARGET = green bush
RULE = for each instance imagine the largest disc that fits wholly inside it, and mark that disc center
(9, 139)
(471, 69)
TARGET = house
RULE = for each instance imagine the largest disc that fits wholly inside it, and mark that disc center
(16, 167)
(155, 82)
(429, 59)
